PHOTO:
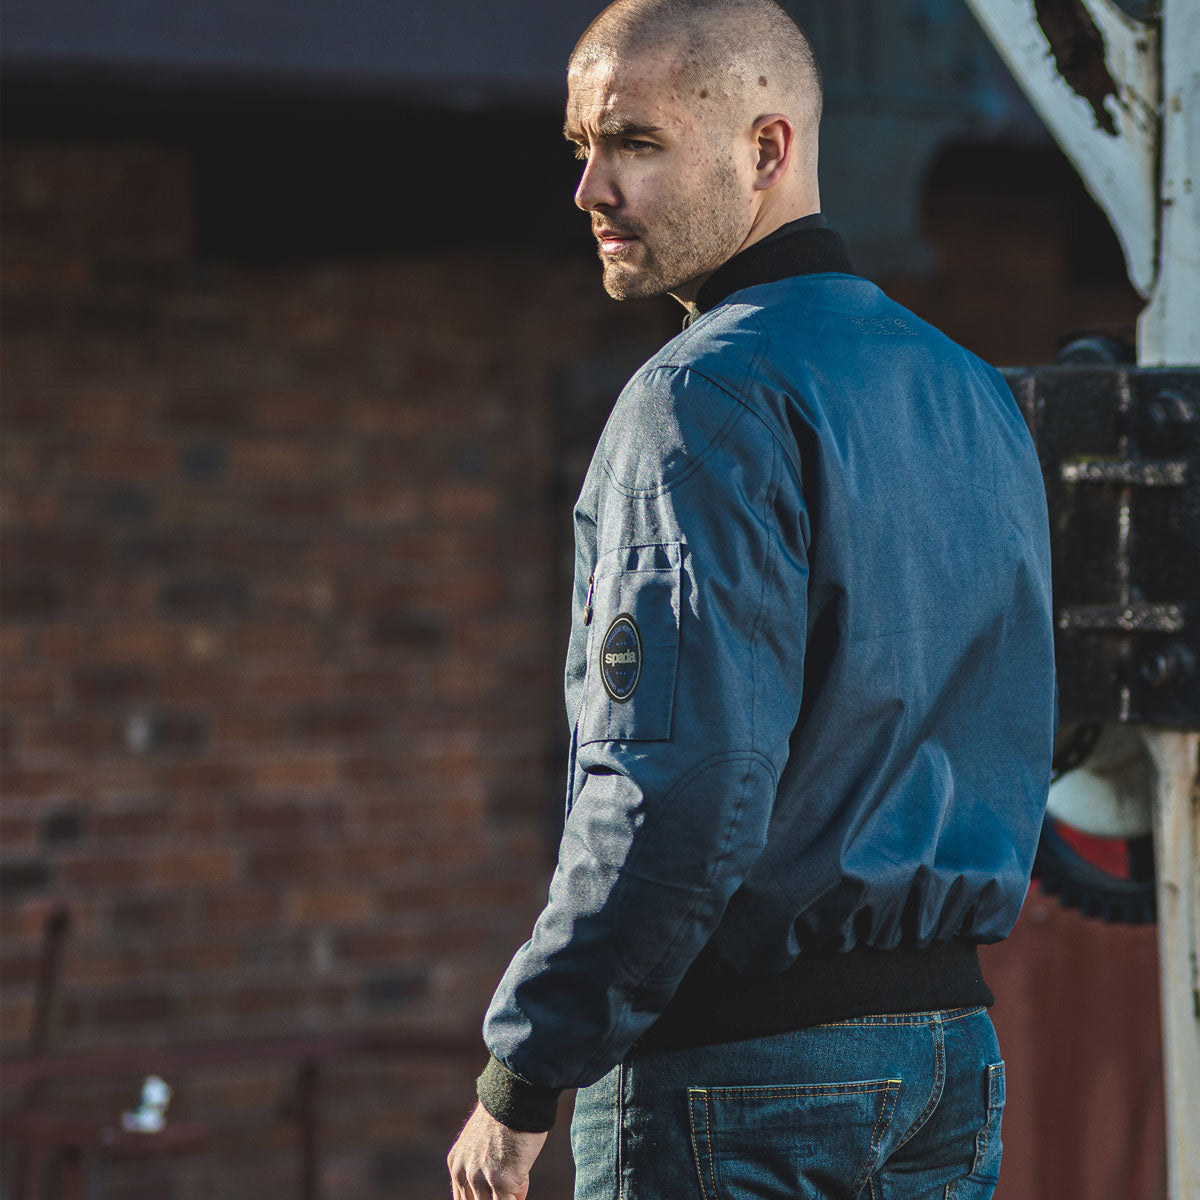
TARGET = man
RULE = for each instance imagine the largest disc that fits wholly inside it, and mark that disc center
(809, 677)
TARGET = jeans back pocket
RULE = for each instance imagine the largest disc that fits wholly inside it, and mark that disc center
(789, 1142)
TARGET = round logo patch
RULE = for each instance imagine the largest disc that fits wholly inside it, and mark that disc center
(621, 658)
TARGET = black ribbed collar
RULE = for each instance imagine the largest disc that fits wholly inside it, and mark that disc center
(803, 247)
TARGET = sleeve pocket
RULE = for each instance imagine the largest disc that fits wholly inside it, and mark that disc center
(634, 647)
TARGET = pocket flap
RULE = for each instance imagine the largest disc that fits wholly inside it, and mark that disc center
(634, 647)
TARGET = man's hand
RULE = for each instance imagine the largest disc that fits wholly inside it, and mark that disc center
(490, 1161)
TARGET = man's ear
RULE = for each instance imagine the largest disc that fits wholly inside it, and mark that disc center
(774, 135)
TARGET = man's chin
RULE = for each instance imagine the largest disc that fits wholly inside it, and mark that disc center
(630, 285)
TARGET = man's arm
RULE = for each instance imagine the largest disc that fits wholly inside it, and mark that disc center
(702, 541)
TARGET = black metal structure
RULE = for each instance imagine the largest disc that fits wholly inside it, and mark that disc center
(1120, 454)
(1119, 447)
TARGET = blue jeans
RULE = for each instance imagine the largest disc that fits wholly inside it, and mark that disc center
(897, 1107)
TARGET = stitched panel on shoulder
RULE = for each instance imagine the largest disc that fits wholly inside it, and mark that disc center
(666, 423)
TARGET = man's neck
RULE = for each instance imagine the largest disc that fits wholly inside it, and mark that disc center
(766, 226)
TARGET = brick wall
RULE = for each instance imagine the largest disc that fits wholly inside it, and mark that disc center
(281, 650)
(283, 566)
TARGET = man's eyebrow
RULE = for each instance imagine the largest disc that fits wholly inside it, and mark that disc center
(613, 127)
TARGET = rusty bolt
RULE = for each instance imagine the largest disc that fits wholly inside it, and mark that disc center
(1171, 414)
(1172, 665)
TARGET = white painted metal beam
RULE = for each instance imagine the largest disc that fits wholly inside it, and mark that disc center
(1119, 169)
(1169, 332)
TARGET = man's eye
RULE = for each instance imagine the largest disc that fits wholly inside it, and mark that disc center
(636, 145)
(580, 151)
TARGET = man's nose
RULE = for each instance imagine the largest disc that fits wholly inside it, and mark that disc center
(597, 188)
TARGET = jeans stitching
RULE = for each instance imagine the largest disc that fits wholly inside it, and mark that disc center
(708, 1125)
(809, 1089)
(966, 1012)
(885, 1110)
(695, 1147)
(902, 1019)
(984, 1136)
(939, 1082)
(620, 1118)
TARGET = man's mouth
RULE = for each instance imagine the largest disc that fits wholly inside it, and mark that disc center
(613, 242)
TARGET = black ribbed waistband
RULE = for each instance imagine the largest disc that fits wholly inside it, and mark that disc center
(815, 990)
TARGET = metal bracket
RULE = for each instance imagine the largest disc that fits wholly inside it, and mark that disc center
(1120, 454)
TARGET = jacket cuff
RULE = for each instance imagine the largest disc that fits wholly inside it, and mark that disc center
(514, 1101)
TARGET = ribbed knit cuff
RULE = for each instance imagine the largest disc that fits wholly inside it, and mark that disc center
(514, 1101)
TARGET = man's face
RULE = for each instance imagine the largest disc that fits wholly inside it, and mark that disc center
(668, 193)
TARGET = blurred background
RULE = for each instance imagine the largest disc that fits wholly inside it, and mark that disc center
(304, 354)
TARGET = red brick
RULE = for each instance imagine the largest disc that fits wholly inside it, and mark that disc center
(19, 970)
(88, 967)
(31, 506)
(466, 896)
(16, 1021)
(300, 411)
(12, 645)
(329, 905)
(373, 415)
(290, 640)
(63, 643)
(248, 818)
(132, 823)
(296, 503)
(295, 773)
(222, 776)
(197, 959)
(308, 862)
(134, 1008)
(74, 550)
(129, 459)
(243, 909)
(186, 684)
(302, 685)
(16, 833)
(249, 729)
(70, 735)
(260, 460)
(110, 685)
(106, 410)
(27, 689)
(22, 784)
(140, 644)
(104, 871)
(142, 916)
(338, 721)
(192, 867)
(380, 946)
(382, 504)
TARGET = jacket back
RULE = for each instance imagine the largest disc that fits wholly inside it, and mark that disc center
(810, 674)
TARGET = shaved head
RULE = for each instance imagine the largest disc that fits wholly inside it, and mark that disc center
(697, 121)
(744, 57)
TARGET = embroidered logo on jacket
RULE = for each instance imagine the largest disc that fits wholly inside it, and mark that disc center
(621, 658)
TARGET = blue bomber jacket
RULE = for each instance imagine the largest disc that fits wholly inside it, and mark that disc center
(809, 680)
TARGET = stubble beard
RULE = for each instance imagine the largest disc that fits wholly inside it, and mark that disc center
(685, 244)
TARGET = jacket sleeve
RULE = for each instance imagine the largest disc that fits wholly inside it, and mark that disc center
(695, 659)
